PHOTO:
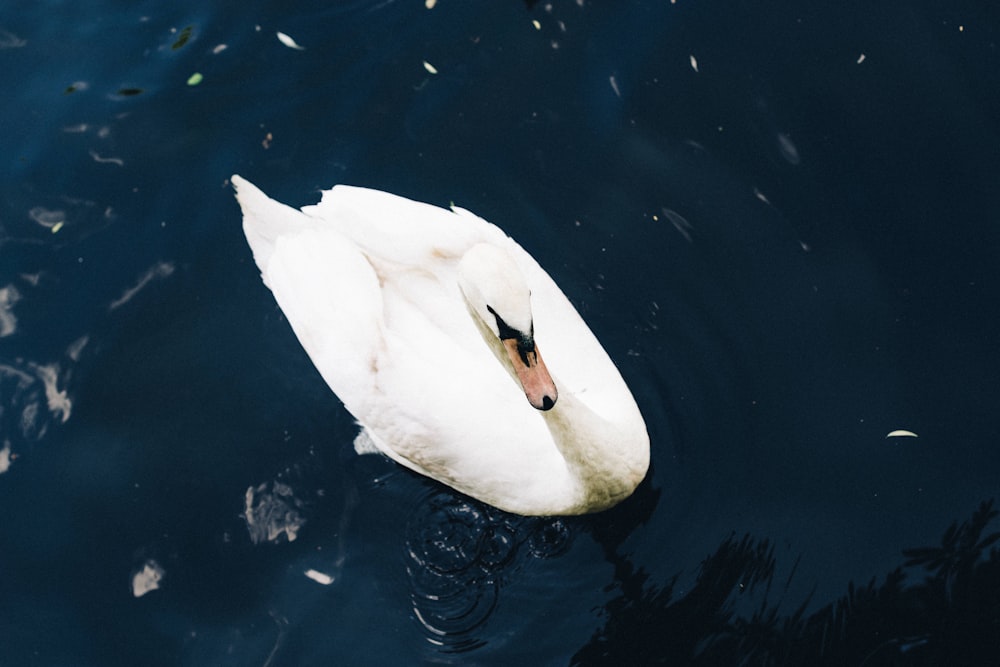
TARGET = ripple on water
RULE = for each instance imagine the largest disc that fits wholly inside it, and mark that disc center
(459, 554)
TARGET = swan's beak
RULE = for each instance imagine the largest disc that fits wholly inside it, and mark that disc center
(532, 374)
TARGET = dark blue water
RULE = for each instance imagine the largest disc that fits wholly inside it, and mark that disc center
(781, 221)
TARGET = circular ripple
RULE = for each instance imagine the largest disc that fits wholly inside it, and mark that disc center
(458, 554)
(550, 538)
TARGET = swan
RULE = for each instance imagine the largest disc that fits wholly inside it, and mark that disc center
(429, 324)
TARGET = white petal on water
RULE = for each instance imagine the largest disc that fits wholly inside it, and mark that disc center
(694, 62)
(430, 68)
(861, 58)
(902, 434)
(289, 42)
(147, 579)
(319, 577)
(429, 4)
(219, 48)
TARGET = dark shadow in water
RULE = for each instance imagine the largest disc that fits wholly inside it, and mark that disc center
(950, 617)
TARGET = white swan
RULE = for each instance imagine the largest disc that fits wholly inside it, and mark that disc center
(420, 320)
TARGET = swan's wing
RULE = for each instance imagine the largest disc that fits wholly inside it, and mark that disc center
(460, 419)
(325, 287)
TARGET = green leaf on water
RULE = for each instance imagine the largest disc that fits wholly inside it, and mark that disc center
(183, 38)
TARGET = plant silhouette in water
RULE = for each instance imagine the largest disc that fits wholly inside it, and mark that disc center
(951, 617)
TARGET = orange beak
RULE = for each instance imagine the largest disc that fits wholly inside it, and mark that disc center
(532, 374)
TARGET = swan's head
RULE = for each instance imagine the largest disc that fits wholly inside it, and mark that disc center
(499, 299)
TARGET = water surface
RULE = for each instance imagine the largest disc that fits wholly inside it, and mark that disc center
(780, 221)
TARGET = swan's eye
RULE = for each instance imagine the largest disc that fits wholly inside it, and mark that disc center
(525, 341)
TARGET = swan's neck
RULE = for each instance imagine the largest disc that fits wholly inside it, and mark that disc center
(604, 455)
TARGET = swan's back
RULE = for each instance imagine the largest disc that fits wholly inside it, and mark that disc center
(399, 230)
(368, 282)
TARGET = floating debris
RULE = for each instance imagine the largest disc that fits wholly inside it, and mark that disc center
(430, 68)
(76, 86)
(788, 149)
(289, 42)
(103, 160)
(76, 347)
(195, 79)
(9, 40)
(679, 222)
(57, 400)
(147, 579)
(158, 271)
(5, 457)
(537, 24)
(694, 62)
(130, 92)
(9, 296)
(614, 85)
(272, 511)
(183, 38)
(429, 4)
(861, 58)
(902, 434)
(46, 217)
(219, 48)
(319, 577)
(36, 395)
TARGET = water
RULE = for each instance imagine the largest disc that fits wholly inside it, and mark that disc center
(779, 221)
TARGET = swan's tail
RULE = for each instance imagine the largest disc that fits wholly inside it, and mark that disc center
(265, 220)
(325, 287)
